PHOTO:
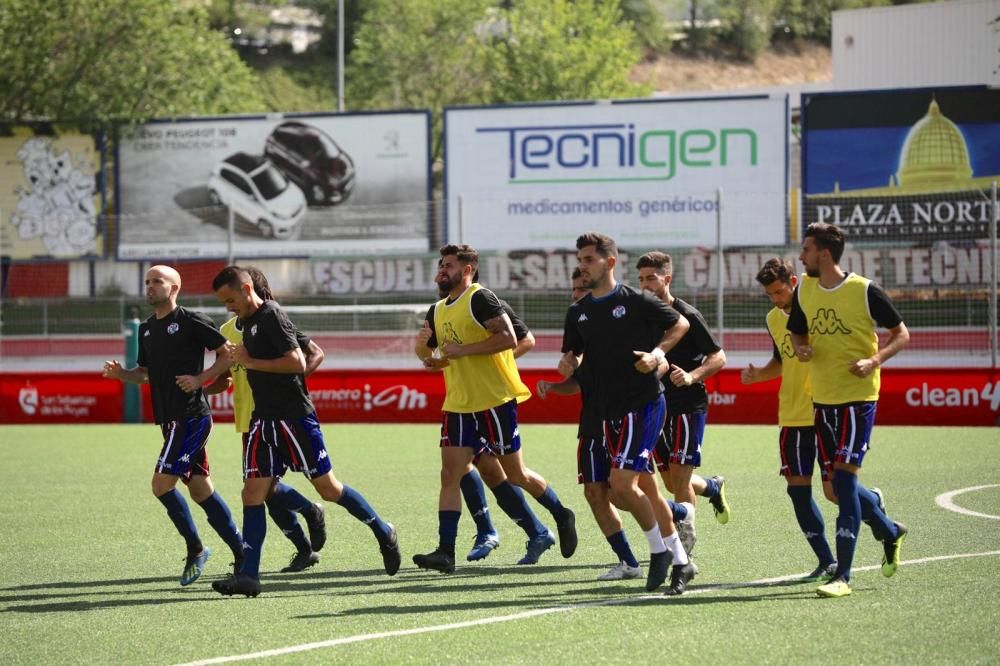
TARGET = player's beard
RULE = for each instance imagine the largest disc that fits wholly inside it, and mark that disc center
(445, 285)
(812, 272)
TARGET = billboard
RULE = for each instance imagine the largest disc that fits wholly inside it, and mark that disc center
(909, 396)
(49, 200)
(296, 185)
(913, 165)
(644, 172)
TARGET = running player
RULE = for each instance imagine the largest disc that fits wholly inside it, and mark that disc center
(172, 344)
(832, 326)
(624, 334)
(284, 433)
(475, 340)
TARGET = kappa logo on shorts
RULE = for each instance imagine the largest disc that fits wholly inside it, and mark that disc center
(146, 334)
(618, 312)
(322, 454)
(173, 328)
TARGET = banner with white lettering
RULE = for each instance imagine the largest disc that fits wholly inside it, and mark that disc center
(910, 165)
(537, 176)
(296, 185)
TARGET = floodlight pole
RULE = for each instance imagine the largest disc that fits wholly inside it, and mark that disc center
(340, 56)
(993, 275)
(721, 287)
(230, 233)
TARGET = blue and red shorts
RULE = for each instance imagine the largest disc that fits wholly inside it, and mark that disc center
(680, 441)
(494, 430)
(630, 439)
(273, 446)
(593, 464)
(183, 453)
(846, 429)
(799, 449)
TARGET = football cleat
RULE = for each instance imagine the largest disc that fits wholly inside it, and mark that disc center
(243, 584)
(536, 546)
(719, 504)
(390, 552)
(890, 561)
(621, 571)
(687, 534)
(301, 561)
(823, 572)
(316, 521)
(485, 544)
(680, 576)
(838, 587)
(194, 564)
(659, 563)
(437, 560)
(566, 526)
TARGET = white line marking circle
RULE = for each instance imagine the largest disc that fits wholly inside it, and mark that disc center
(660, 598)
(945, 501)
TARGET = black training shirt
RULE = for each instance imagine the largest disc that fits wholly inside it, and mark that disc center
(607, 331)
(689, 354)
(269, 334)
(171, 346)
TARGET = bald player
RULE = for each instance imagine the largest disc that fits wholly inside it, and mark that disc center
(172, 344)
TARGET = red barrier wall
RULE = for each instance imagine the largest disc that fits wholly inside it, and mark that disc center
(968, 396)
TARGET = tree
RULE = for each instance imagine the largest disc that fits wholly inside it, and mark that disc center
(98, 60)
(417, 54)
(747, 25)
(561, 49)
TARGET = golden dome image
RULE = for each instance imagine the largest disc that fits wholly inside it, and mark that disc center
(934, 152)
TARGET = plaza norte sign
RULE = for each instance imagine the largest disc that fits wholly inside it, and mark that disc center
(909, 396)
(909, 165)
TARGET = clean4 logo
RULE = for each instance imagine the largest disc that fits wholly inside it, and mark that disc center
(925, 396)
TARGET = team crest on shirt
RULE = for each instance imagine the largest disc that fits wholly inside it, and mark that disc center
(253, 330)
(618, 312)
(173, 328)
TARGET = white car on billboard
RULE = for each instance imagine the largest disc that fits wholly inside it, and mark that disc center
(251, 187)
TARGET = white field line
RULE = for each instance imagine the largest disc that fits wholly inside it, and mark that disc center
(946, 501)
(764, 582)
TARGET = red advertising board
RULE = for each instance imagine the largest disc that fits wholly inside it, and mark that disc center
(968, 396)
(77, 397)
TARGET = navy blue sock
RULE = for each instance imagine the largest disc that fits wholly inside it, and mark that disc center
(288, 523)
(619, 544)
(254, 531)
(551, 502)
(679, 510)
(291, 499)
(511, 500)
(811, 522)
(882, 526)
(222, 522)
(358, 507)
(177, 510)
(448, 530)
(845, 485)
(475, 499)
(711, 488)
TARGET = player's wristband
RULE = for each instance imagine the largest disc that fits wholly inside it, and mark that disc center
(658, 354)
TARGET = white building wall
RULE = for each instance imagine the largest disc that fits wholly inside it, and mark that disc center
(921, 45)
